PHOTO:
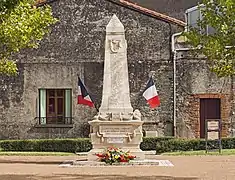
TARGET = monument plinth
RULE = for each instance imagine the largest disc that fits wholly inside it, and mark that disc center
(116, 124)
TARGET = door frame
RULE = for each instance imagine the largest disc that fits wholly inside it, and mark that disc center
(194, 112)
(202, 127)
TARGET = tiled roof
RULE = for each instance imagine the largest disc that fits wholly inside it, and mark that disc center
(137, 8)
(149, 12)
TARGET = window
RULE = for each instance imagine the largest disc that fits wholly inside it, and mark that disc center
(55, 106)
(193, 15)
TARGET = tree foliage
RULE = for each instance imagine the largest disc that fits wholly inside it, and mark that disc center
(218, 47)
(22, 25)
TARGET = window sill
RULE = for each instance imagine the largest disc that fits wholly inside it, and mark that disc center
(54, 126)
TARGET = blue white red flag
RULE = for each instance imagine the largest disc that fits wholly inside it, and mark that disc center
(83, 95)
(151, 95)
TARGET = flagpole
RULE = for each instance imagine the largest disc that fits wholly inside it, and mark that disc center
(139, 95)
(96, 107)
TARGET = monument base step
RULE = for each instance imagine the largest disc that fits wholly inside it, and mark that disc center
(146, 162)
(145, 152)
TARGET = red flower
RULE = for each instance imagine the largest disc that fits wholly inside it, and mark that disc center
(113, 154)
(131, 157)
(123, 159)
(100, 155)
(112, 148)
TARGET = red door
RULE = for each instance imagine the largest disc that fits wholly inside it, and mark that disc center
(209, 109)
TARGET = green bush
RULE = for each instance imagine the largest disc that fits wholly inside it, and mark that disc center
(228, 143)
(150, 143)
(180, 145)
(173, 145)
(17, 145)
(47, 145)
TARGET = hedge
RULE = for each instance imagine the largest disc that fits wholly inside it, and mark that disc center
(47, 145)
(160, 144)
(174, 145)
(66, 145)
(149, 143)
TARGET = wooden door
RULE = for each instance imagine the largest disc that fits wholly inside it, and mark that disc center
(209, 109)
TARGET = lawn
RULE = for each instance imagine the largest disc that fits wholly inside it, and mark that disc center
(202, 152)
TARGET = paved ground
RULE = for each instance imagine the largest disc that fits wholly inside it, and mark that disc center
(185, 168)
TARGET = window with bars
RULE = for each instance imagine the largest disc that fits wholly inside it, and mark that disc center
(55, 106)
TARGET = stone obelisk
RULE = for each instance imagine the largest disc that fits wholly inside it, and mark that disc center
(116, 124)
(116, 93)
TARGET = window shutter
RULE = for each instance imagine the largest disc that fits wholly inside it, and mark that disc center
(68, 104)
(37, 107)
(42, 104)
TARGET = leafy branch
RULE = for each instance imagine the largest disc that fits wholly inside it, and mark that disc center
(219, 45)
(22, 25)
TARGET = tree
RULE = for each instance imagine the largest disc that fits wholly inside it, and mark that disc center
(22, 25)
(219, 46)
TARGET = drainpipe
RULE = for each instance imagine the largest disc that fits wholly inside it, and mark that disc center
(174, 51)
(174, 92)
(174, 80)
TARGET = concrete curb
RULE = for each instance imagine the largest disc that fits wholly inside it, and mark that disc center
(29, 162)
(38, 159)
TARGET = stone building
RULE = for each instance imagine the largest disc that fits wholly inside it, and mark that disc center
(41, 102)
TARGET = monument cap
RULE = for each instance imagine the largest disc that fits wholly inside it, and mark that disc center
(114, 25)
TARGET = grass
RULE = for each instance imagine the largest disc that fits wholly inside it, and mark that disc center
(12, 153)
(202, 152)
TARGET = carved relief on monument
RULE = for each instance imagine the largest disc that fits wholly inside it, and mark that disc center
(137, 115)
(115, 45)
(103, 117)
(117, 116)
(109, 132)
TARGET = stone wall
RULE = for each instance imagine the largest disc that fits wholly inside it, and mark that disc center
(11, 104)
(196, 81)
(76, 47)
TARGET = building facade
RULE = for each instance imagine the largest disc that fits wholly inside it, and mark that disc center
(41, 102)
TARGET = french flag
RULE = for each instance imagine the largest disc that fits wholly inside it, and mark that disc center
(151, 95)
(83, 96)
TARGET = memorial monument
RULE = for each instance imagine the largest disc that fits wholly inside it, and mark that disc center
(116, 124)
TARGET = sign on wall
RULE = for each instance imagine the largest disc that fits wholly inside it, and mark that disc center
(213, 133)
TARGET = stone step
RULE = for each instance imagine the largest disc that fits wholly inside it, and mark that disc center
(145, 152)
(146, 162)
